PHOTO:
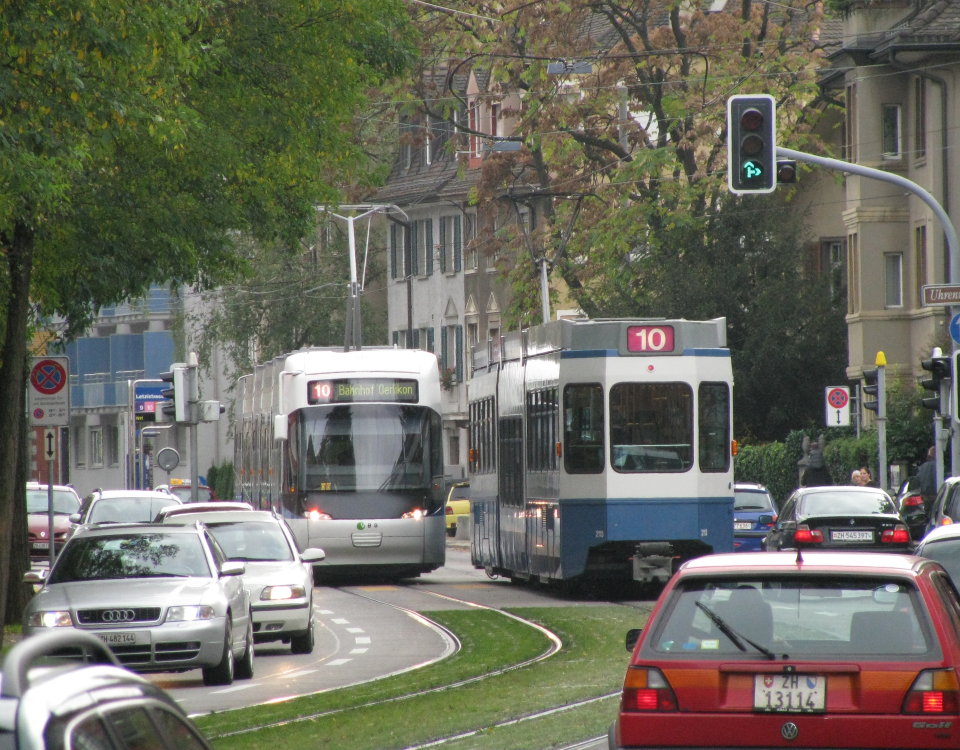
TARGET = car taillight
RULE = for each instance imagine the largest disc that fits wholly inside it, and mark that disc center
(935, 691)
(805, 535)
(897, 535)
(912, 502)
(773, 520)
(449, 511)
(646, 689)
(315, 514)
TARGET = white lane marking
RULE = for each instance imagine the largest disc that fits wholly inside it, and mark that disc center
(362, 639)
(337, 662)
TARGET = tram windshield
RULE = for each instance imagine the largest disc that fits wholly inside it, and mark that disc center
(369, 448)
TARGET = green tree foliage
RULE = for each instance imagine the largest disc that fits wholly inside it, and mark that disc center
(138, 141)
(623, 170)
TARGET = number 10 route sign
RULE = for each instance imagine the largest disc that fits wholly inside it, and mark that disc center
(48, 392)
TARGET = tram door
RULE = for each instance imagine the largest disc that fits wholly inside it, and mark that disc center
(512, 523)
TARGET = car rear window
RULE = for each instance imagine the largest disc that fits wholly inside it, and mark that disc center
(751, 500)
(840, 502)
(871, 618)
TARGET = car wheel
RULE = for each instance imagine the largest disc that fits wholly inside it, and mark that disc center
(302, 643)
(222, 672)
(244, 668)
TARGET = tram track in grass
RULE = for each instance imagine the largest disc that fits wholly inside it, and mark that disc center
(515, 670)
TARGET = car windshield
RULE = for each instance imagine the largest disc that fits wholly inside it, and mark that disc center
(127, 509)
(839, 503)
(751, 500)
(794, 616)
(95, 558)
(252, 541)
(64, 502)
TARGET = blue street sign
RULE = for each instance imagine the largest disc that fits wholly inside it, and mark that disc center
(955, 328)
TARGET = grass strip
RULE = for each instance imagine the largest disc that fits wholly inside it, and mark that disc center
(590, 664)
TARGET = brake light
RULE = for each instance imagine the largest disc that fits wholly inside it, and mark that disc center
(897, 535)
(773, 520)
(449, 511)
(646, 689)
(315, 514)
(805, 535)
(935, 691)
(912, 502)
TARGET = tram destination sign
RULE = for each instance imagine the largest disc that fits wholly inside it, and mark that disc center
(941, 294)
(351, 390)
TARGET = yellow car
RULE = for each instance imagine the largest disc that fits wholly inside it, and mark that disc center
(457, 505)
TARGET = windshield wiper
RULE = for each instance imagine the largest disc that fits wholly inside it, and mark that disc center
(736, 638)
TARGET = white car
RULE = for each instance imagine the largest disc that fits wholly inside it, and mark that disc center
(122, 506)
(278, 577)
(164, 598)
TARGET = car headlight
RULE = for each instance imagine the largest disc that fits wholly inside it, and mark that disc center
(57, 618)
(279, 593)
(189, 612)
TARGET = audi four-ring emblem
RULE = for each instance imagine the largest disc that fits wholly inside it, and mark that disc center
(118, 615)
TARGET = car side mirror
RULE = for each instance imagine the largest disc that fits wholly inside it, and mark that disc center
(233, 568)
(74, 518)
(312, 555)
(633, 635)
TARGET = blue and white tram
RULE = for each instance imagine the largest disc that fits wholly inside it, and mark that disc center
(601, 449)
(348, 446)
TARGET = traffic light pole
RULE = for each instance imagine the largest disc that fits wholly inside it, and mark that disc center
(950, 235)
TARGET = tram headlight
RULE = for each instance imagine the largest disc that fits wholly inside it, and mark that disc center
(416, 514)
(315, 514)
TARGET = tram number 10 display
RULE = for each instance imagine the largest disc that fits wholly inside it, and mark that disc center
(657, 339)
(352, 390)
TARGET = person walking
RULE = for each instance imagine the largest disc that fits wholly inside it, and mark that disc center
(927, 477)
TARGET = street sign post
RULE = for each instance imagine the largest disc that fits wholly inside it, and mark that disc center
(837, 403)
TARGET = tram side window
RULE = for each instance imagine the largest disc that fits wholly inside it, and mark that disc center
(583, 429)
(714, 400)
(651, 427)
(542, 411)
(482, 451)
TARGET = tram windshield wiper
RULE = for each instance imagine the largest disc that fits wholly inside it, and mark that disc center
(735, 637)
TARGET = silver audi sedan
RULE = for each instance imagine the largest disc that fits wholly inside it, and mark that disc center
(278, 577)
(164, 598)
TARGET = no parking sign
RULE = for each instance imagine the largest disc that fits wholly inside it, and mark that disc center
(838, 405)
(48, 392)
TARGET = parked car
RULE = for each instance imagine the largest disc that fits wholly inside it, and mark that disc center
(754, 514)
(945, 509)
(943, 545)
(839, 517)
(122, 506)
(278, 577)
(458, 504)
(913, 510)
(94, 705)
(785, 649)
(164, 598)
(66, 501)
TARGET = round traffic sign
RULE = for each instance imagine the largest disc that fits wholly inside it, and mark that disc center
(48, 377)
(838, 397)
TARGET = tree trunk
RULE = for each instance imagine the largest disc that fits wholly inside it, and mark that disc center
(13, 555)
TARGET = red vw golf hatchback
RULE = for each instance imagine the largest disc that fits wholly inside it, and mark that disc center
(809, 650)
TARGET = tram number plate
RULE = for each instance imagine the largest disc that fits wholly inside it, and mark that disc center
(742, 525)
(125, 639)
(851, 536)
(789, 693)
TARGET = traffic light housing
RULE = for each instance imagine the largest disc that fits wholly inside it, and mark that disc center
(871, 387)
(176, 406)
(751, 144)
(940, 369)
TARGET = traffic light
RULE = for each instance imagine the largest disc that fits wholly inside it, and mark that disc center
(751, 144)
(175, 407)
(939, 368)
(871, 387)
(786, 171)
